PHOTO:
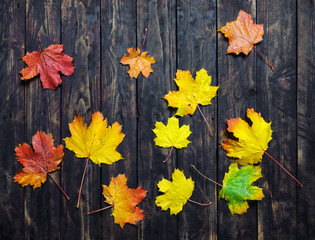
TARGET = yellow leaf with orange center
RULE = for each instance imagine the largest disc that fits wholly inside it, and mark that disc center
(98, 141)
(252, 140)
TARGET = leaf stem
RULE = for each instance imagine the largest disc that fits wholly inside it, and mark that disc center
(198, 203)
(283, 168)
(145, 36)
(264, 58)
(87, 161)
(206, 177)
(38, 39)
(58, 186)
(204, 118)
(169, 154)
(101, 209)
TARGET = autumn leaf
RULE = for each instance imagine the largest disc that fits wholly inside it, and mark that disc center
(48, 63)
(138, 62)
(252, 140)
(237, 187)
(97, 142)
(243, 34)
(176, 193)
(124, 200)
(171, 135)
(40, 162)
(191, 92)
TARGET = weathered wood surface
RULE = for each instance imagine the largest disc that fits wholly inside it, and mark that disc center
(181, 35)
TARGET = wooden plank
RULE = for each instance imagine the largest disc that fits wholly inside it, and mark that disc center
(276, 100)
(81, 95)
(237, 81)
(306, 119)
(12, 28)
(41, 207)
(118, 31)
(159, 18)
(196, 41)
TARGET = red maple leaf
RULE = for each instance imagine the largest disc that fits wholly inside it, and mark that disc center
(48, 63)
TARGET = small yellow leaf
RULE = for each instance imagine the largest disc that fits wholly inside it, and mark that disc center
(176, 193)
(171, 134)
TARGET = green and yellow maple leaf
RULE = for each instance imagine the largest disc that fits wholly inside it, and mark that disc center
(191, 92)
(176, 193)
(237, 187)
(252, 140)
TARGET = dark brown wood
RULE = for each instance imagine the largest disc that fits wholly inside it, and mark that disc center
(237, 81)
(306, 119)
(276, 100)
(12, 15)
(81, 95)
(118, 31)
(196, 41)
(181, 35)
(159, 18)
(42, 111)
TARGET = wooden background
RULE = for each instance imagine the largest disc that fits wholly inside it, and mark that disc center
(181, 35)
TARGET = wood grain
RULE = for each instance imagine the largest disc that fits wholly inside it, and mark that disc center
(12, 40)
(196, 37)
(119, 101)
(276, 100)
(237, 81)
(305, 119)
(159, 18)
(81, 95)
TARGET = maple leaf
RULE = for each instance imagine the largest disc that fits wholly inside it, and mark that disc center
(252, 140)
(242, 33)
(124, 200)
(171, 135)
(48, 62)
(191, 92)
(237, 187)
(98, 142)
(176, 193)
(138, 62)
(40, 162)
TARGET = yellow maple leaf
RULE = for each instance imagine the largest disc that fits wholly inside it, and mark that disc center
(252, 140)
(124, 200)
(171, 134)
(138, 62)
(191, 92)
(176, 193)
(97, 142)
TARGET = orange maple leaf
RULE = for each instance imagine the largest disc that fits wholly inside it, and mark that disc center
(138, 62)
(37, 164)
(48, 62)
(242, 33)
(124, 200)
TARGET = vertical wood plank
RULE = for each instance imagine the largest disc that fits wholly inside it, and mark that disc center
(42, 206)
(276, 100)
(159, 17)
(196, 41)
(236, 78)
(12, 40)
(306, 119)
(81, 95)
(118, 31)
